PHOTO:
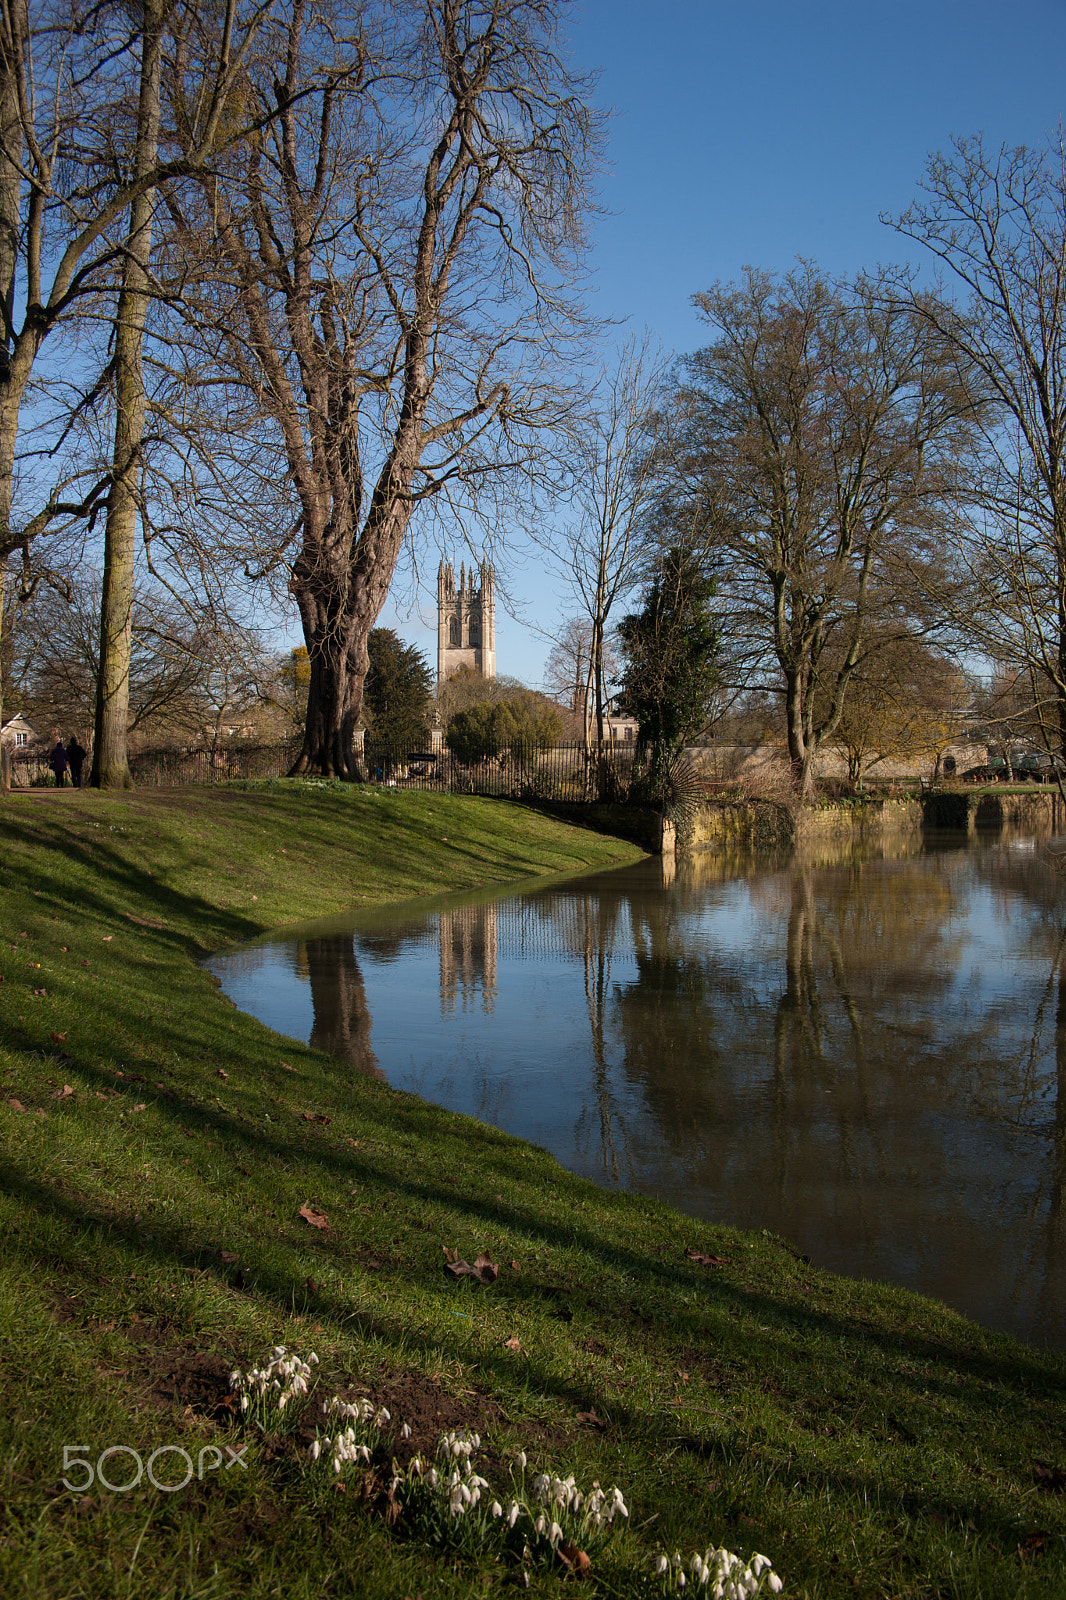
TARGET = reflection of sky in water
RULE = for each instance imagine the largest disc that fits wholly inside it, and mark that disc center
(861, 1059)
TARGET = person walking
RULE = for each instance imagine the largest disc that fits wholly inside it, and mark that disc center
(58, 763)
(76, 754)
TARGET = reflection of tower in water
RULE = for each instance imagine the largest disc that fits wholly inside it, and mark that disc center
(467, 957)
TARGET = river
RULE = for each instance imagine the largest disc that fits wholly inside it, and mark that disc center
(863, 1051)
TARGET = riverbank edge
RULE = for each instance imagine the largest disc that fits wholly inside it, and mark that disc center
(111, 1262)
(758, 822)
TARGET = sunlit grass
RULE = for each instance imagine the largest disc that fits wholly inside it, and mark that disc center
(870, 1442)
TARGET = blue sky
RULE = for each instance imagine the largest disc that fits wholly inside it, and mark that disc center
(757, 132)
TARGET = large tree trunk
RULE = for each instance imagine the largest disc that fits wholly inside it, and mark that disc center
(340, 586)
(334, 701)
(110, 769)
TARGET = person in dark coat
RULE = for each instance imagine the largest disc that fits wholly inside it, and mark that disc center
(76, 754)
(58, 763)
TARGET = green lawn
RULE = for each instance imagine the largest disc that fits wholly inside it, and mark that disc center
(168, 1161)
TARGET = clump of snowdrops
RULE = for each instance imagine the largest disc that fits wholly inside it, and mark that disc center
(548, 1521)
(718, 1575)
(357, 1437)
(265, 1392)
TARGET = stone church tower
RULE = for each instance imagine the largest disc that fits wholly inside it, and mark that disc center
(466, 620)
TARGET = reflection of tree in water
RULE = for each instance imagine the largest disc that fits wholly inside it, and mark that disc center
(833, 1052)
(671, 1033)
(1034, 1096)
(341, 1018)
(598, 919)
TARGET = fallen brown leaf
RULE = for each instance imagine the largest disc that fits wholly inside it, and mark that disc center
(573, 1559)
(58, 1038)
(484, 1270)
(706, 1261)
(229, 1256)
(512, 1344)
(591, 1418)
(317, 1219)
(221, 1074)
(62, 1094)
(16, 1105)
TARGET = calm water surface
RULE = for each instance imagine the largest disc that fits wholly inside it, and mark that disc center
(867, 1056)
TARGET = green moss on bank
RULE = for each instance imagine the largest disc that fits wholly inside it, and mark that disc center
(158, 1147)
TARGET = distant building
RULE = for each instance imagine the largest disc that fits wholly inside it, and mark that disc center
(466, 621)
(17, 733)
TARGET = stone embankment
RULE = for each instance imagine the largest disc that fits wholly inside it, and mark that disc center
(1035, 813)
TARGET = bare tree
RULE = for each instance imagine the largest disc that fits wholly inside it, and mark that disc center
(186, 676)
(613, 478)
(566, 670)
(388, 281)
(68, 176)
(997, 221)
(814, 448)
(904, 700)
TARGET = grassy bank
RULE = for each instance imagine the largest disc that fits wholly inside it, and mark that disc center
(183, 1190)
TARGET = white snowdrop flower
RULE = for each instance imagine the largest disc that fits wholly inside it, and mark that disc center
(316, 1450)
(336, 1463)
(520, 1461)
(496, 1510)
(662, 1565)
(774, 1584)
(313, 1359)
(405, 1431)
(279, 1351)
(283, 1402)
(512, 1514)
(540, 1525)
(555, 1533)
(431, 1477)
(244, 1402)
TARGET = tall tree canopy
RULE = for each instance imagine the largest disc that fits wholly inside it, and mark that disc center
(386, 294)
(814, 448)
(997, 221)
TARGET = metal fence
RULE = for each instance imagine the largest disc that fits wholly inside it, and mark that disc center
(563, 772)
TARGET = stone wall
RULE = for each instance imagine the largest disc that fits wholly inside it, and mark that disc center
(764, 822)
